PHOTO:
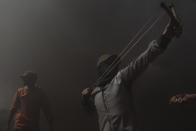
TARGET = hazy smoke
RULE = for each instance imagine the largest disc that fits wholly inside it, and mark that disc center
(61, 40)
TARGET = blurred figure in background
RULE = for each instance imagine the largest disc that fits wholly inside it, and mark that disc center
(26, 105)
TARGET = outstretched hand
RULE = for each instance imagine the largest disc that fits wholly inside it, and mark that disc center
(179, 99)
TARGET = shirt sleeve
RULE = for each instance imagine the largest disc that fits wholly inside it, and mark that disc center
(16, 102)
(136, 67)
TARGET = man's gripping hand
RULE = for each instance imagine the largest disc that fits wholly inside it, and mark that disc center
(179, 99)
(86, 91)
(174, 28)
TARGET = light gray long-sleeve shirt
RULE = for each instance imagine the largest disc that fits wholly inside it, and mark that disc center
(113, 102)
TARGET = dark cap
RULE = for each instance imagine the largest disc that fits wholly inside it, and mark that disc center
(106, 58)
(29, 77)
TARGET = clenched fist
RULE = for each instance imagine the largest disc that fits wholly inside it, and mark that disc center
(86, 91)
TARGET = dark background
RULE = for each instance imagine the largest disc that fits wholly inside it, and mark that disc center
(61, 41)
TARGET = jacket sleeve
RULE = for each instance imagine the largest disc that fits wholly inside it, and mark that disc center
(136, 67)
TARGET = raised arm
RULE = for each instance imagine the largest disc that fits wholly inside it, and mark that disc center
(155, 48)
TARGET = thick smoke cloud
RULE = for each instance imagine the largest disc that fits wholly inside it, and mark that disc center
(61, 40)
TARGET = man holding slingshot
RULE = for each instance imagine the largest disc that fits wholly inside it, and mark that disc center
(111, 97)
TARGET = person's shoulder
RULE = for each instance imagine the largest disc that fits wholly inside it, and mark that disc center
(118, 77)
(96, 90)
(20, 89)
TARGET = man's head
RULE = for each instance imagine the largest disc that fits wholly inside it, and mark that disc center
(29, 78)
(104, 64)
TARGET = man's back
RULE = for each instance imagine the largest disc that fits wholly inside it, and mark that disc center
(114, 107)
(28, 103)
